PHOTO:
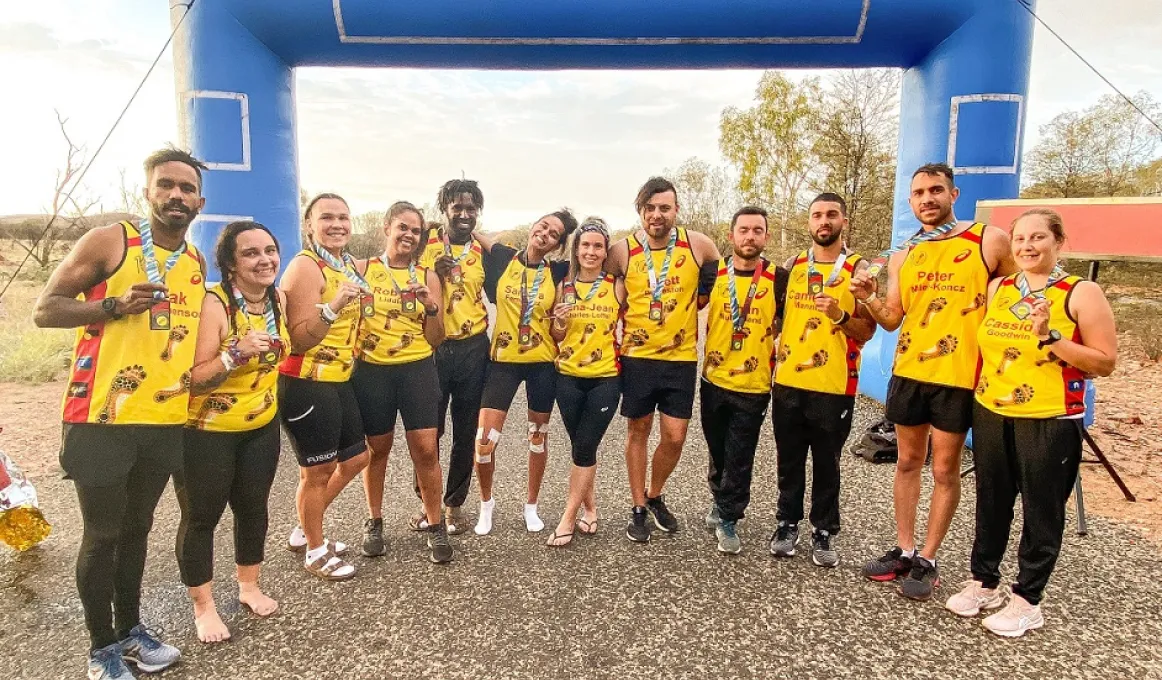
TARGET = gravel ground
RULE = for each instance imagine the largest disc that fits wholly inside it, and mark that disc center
(604, 608)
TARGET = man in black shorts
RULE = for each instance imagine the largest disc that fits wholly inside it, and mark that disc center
(664, 267)
(137, 292)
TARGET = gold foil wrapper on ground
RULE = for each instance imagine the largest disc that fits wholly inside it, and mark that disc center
(23, 527)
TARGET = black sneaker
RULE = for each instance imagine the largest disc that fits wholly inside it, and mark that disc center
(782, 543)
(373, 543)
(922, 580)
(823, 554)
(440, 545)
(892, 565)
(638, 530)
(663, 518)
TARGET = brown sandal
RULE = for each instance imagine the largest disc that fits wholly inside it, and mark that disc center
(587, 528)
(550, 543)
(326, 566)
(333, 546)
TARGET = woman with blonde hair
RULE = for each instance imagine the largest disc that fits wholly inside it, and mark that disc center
(1044, 333)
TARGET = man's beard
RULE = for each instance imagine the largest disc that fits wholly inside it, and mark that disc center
(945, 218)
(754, 252)
(835, 236)
(182, 222)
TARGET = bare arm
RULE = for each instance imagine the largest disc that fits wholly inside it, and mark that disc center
(92, 260)
(303, 285)
(998, 252)
(615, 263)
(559, 325)
(887, 309)
(1097, 353)
(703, 248)
(434, 325)
(486, 242)
(209, 371)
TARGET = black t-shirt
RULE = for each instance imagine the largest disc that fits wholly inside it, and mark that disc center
(498, 259)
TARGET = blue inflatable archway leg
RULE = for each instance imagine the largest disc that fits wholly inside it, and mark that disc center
(964, 104)
(238, 115)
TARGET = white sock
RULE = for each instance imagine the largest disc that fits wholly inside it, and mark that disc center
(908, 553)
(484, 521)
(532, 522)
(316, 553)
(297, 538)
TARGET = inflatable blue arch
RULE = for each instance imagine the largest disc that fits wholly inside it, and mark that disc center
(966, 61)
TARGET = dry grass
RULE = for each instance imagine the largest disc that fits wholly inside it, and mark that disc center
(29, 354)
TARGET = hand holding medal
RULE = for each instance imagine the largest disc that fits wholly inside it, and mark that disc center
(1039, 316)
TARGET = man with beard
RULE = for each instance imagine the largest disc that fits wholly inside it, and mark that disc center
(742, 322)
(462, 359)
(664, 267)
(133, 294)
(815, 381)
(936, 293)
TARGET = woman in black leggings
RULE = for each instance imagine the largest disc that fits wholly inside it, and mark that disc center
(231, 439)
(585, 326)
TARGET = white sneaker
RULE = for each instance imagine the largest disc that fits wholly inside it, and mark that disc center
(532, 521)
(1015, 619)
(484, 521)
(973, 598)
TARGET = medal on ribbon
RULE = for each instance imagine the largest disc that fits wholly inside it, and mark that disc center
(456, 274)
(1023, 308)
(407, 298)
(880, 261)
(270, 356)
(346, 267)
(159, 313)
(528, 299)
(658, 282)
(739, 314)
(570, 290)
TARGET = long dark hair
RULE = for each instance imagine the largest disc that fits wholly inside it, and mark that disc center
(224, 258)
(399, 208)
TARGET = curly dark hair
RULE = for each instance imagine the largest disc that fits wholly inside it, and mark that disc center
(453, 188)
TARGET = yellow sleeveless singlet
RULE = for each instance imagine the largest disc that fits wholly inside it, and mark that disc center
(246, 400)
(814, 353)
(333, 358)
(747, 369)
(125, 373)
(464, 312)
(943, 287)
(675, 337)
(1017, 379)
(506, 346)
(590, 348)
(392, 336)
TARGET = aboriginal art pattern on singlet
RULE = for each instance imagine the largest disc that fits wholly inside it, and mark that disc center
(590, 349)
(333, 358)
(746, 368)
(465, 314)
(673, 337)
(395, 335)
(506, 341)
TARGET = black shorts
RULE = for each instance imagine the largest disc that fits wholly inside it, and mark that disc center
(649, 384)
(504, 378)
(321, 419)
(911, 402)
(100, 455)
(412, 390)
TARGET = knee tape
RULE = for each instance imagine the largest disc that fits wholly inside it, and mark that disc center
(486, 445)
(537, 436)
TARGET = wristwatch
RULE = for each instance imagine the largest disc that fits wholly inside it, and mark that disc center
(432, 311)
(109, 306)
(1054, 336)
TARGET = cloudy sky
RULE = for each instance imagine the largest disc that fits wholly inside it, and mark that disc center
(419, 128)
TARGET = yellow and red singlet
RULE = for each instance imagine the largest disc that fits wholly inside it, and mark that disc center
(248, 398)
(464, 312)
(741, 364)
(333, 358)
(590, 349)
(943, 288)
(1018, 379)
(394, 335)
(125, 373)
(517, 277)
(814, 353)
(673, 337)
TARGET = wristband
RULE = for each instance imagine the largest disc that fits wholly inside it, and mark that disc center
(843, 319)
(327, 314)
(228, 361)
(870, 299)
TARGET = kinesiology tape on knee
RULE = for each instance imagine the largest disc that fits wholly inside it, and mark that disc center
(485, 446)
(537, 436)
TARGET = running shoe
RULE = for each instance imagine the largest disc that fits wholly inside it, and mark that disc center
(147, 652)
(713, 518)
(784, 539)
(439, 544)
(638, 530)
(106, 664)
(822, 552)
(663, 518)
(890, 566)
(973, 598)
(1017, 618)
(373, 543)
(922, 580)
(728, 540)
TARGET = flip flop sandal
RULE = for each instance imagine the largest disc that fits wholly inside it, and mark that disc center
(587, 528)
(326, 566)
(553, 538)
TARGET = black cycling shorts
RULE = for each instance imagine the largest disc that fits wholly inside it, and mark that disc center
(321, 419)
(504, 378)
(412, 390)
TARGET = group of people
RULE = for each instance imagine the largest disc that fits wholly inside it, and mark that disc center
(169, 378)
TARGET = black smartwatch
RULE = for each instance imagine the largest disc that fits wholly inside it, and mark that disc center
(1054, 336)
(432, 311)
(109, 306)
